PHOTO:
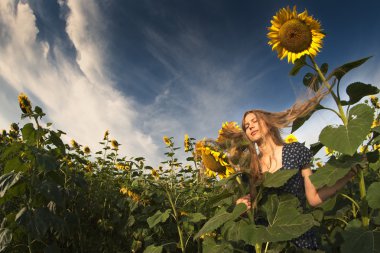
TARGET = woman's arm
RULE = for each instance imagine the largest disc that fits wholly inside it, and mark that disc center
(316, 197)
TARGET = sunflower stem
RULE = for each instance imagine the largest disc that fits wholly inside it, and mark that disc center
(342, 115)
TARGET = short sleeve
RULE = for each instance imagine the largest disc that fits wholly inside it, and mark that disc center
(304, 155)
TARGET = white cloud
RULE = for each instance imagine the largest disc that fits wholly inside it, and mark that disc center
(78, 98)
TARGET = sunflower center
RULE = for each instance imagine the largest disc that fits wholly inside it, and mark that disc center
(295, 36)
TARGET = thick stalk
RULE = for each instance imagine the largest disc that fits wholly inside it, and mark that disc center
(363, 193)
(241, 188)
(176, 221)
(258, 247)
(342, 115)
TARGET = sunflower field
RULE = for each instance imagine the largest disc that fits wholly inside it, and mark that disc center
(63, 197)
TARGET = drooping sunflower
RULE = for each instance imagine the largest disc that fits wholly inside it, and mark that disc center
(115, 144)
(294, 35)
(167, 141)
(213, 160)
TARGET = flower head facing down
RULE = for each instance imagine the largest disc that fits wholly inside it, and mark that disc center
(294, 35)
(213, 160)
(115, 144)
(290, 138)
(74, 144)
(25, 104)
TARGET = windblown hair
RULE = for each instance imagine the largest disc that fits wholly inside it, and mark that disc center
(274, 121)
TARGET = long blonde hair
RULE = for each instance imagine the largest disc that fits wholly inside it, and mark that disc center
(274, 121)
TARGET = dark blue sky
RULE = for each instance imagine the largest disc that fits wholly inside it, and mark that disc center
(169, 67)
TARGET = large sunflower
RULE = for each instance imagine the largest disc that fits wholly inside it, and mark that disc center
(294, 35)
(213, 160)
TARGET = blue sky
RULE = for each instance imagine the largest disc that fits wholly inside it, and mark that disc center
(145, 69)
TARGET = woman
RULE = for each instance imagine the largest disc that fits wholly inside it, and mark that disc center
(262, 129)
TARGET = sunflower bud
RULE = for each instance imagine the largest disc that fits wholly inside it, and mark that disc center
(86, 150)
(14, 127)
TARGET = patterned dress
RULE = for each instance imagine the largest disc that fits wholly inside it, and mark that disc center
(296, 155)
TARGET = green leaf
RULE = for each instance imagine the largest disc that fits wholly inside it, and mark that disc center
(210, 246)
(311, 81)
(29, 134)
(234, 231)
(342, 70)
(373, 157)
(46, 162)
(153, 249)
(214, 200)
(373, 195)
(315, 147)
(346, 139)
(14, 164)
(220, 218)
(52, 248)
(7, 181)
(300, 121)
(333, 171)
(194, 217)
(324, 68)
(357, 91)
(56, 140)
(298, 64)
(357, 239)
(279, 178)
(158, 217)
(5, 238)
(285, 221)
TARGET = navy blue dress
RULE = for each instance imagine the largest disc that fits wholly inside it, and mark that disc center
(296, 155)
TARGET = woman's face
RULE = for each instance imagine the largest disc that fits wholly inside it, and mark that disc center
(255, 129)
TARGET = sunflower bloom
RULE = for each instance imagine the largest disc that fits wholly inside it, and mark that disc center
(115, 144)
(290, 138)
(375, 123)
(186, 143)
(86, 150)
(293, 35)
(25, 104)
(74, 144)
(319, 164)
(215, 162)
(227, 127)
(106, 134)
(167, 141)
(155, 174)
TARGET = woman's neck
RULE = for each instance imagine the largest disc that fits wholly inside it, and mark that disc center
(267, 147)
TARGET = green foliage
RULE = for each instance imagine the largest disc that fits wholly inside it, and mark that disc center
(278, 178)
(347, 138)
(56, 197)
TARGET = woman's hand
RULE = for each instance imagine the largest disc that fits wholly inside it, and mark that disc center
(245, 200)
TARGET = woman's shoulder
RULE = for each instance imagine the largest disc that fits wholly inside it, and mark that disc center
(296, 146)
(297, 152)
